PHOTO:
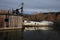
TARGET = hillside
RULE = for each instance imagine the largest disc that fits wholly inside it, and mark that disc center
(52, 16)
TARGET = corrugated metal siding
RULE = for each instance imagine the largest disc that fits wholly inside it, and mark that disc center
(2, 23)
(14, 21)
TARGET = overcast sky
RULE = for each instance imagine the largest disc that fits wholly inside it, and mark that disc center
(32, 5)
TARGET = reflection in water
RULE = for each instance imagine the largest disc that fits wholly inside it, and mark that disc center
(38, 28)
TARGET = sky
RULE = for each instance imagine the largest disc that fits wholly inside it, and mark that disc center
(32, 5)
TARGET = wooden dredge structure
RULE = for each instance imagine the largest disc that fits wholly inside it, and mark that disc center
(10, 22)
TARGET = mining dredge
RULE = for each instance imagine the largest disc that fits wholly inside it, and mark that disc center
(12, 22)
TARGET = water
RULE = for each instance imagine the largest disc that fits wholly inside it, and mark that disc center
(41, 35)
(31, 35)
